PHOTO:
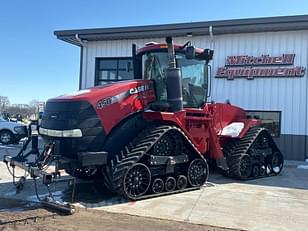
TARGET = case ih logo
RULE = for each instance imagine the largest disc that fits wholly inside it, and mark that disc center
(251, 67)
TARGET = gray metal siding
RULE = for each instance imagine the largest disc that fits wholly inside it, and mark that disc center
(292, 146)
(288, 95)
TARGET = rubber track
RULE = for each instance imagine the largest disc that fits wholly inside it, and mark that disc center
(236, 149)
(135, 150)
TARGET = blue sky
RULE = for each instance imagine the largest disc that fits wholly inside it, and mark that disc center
(35, 65)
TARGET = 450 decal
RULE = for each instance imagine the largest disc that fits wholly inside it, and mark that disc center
(104, 103)
(117, 98)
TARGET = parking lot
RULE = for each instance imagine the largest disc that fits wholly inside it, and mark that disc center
(274, 203)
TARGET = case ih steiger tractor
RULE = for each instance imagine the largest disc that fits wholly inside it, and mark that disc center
(156, 134)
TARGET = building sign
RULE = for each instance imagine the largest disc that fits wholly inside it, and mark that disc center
(251, 67)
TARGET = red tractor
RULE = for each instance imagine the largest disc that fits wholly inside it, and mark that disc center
(156, 134)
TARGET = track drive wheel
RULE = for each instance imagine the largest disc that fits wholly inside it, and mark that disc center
(245, 166)
(137, 181)
(198, 172)
(168, 145)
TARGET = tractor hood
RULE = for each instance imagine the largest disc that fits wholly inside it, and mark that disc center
(109, 103)
(119, 89)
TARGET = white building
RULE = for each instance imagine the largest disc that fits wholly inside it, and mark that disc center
(259, 64)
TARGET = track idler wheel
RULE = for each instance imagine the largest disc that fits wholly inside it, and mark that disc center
(181, 182)
(170, 184)
(158, 186)
(198, 172)
(137, 181)
(276, 162)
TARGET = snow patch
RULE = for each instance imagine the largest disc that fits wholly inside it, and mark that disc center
(58, 195)
(303, 167)
(7, 147)
(12, 193)
(276, 169)
(268, 169)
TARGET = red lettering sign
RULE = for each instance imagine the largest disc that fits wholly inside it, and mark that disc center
(250, 67)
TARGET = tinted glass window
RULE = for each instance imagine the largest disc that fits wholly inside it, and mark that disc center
(108, 64)
(113, 69)
(124, 75)
(270, 120)
(125, 64)
(194, 84)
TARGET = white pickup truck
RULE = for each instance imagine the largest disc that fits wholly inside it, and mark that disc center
(11, 132)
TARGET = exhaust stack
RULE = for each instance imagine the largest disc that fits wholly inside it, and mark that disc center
(173, 80)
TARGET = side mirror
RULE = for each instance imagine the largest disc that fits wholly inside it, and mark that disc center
(208, 55)
(190, 52)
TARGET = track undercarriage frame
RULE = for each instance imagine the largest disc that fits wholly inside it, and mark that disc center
(159, 161)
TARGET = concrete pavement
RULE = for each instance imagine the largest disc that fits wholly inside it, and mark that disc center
(276, 203)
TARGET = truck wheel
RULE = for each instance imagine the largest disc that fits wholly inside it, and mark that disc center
(6, 137)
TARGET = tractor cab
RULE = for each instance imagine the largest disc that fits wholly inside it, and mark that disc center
(152, 61)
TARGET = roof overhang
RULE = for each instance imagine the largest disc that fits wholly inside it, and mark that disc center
(269, 24)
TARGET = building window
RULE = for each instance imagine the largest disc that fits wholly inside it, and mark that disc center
(113, 69)
(270, 120)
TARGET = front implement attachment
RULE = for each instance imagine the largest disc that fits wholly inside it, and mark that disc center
(36, 165)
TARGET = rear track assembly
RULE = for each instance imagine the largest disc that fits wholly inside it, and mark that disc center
(253, 156)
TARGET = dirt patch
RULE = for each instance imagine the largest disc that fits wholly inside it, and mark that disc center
(43, 220)
(9, 205)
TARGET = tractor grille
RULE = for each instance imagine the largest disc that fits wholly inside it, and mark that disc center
(67, 115)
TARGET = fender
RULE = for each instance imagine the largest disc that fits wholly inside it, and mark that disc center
(121, 134)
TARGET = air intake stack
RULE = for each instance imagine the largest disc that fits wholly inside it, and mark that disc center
(173, 80)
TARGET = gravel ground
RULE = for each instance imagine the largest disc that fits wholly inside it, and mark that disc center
(39, 219)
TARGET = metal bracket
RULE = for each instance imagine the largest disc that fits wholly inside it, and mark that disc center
(169, 161)
(170, 165)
